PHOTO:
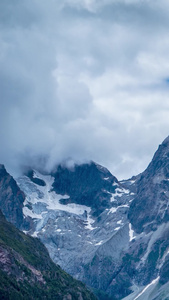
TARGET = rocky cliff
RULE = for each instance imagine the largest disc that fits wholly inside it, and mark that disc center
(150, 207)
(80, 214)
(11, 198)
(112, 235)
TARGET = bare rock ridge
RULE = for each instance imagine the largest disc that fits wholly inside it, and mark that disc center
(11, 198)
(150, 206)
(114, 236)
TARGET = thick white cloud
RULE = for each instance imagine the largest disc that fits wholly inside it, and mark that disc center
(83, 80)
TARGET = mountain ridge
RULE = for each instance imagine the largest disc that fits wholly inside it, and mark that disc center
(113, 235)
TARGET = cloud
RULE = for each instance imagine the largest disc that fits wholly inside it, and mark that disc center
(83, 80)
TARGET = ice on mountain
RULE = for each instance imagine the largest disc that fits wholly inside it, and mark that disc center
(147, 287)
(119, 192)
(114, 209)
(99, 243)
(30, 213)
(71, 227)
(117, 228)
(131, 233)
(119, 222)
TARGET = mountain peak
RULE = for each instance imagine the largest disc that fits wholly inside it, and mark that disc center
(150, 207)
(166, 141)
(86, 184)
(90, 221)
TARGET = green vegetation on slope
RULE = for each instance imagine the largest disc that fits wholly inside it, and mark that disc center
(27, 272)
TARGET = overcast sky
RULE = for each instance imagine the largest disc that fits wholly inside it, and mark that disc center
(83, 80)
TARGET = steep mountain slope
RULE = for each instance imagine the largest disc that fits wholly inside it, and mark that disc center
(149, 215)
(151, 207)
(112, 235)
(88, 184)
(11, 198)
(146, 261)
(27, 272)
(80, 215)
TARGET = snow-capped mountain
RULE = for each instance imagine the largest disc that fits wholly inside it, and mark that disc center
(74, 232)
(112, 235)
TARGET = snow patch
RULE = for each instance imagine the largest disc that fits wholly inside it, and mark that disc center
(119, 192)
(132, 181)
(29, 213)
(131, 233)
(89, 221)
(43, 199)
(99, 243)
(114, 209)
(120, 222)
(24, 231)
(150, 284)
(35, 234)
(163, 258)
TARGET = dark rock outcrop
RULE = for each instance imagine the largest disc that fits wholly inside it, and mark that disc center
(11, 198)
(85, 185)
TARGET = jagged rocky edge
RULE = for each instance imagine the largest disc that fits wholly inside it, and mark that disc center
(88, 235)
(149, 239)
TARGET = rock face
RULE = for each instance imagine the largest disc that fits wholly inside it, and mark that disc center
(80, 215)
(150, 208)
(112, 235)
(27, 272)
(11, 198)
(87, 184)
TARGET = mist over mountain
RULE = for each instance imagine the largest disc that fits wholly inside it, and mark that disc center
(86, 80)
(112, 235)
(83, 105)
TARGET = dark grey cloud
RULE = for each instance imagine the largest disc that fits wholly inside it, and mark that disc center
(83, 80)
